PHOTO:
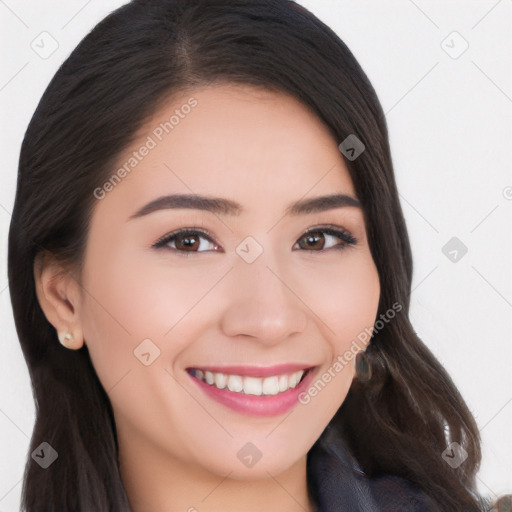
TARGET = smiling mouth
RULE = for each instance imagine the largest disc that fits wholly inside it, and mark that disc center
(250, 385)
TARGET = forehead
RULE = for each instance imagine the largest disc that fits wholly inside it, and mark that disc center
(253, 145)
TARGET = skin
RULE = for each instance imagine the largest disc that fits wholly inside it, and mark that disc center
(177, 447)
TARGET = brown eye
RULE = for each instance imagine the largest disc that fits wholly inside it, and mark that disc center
(185, 241)
(315, 240)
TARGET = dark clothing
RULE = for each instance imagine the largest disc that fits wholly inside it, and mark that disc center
(338, 484)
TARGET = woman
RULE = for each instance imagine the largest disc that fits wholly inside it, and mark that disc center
(246, 133)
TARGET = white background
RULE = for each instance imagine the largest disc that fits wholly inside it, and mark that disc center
(450, 123)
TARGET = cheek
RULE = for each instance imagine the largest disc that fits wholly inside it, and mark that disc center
(133, 307)
(346, 301)
(344, 295)
(128, 309)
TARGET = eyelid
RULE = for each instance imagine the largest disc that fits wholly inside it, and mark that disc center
(164, 239)
(333, 230)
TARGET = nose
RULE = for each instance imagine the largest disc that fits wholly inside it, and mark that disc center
(262, 303)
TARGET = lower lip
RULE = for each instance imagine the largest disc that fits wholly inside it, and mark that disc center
(270, 405)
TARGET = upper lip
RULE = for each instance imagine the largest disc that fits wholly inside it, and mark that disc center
(255, 371)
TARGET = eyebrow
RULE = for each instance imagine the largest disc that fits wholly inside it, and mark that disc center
(228, 207)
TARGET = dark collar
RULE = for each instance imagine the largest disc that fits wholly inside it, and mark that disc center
(337, 483)
(336, 480)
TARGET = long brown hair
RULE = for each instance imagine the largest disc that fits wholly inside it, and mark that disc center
(137, 57)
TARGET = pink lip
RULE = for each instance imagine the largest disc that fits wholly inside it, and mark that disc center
(255, 371)
(256, 405)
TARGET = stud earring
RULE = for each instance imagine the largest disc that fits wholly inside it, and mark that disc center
(66, 338)
(362, 367)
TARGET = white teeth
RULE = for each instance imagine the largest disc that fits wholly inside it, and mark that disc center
(271, 386)
(235, 383)
(251, 385)
(283, 383)
(220, 380)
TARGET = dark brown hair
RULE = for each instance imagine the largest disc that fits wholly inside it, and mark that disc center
(122, 71)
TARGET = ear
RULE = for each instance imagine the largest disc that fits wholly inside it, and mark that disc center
(58, 293)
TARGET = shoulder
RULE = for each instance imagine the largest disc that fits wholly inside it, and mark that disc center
(392, 493)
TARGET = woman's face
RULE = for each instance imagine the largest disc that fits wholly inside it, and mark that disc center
(248, 288)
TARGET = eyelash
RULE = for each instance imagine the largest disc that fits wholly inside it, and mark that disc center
(345, 236)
